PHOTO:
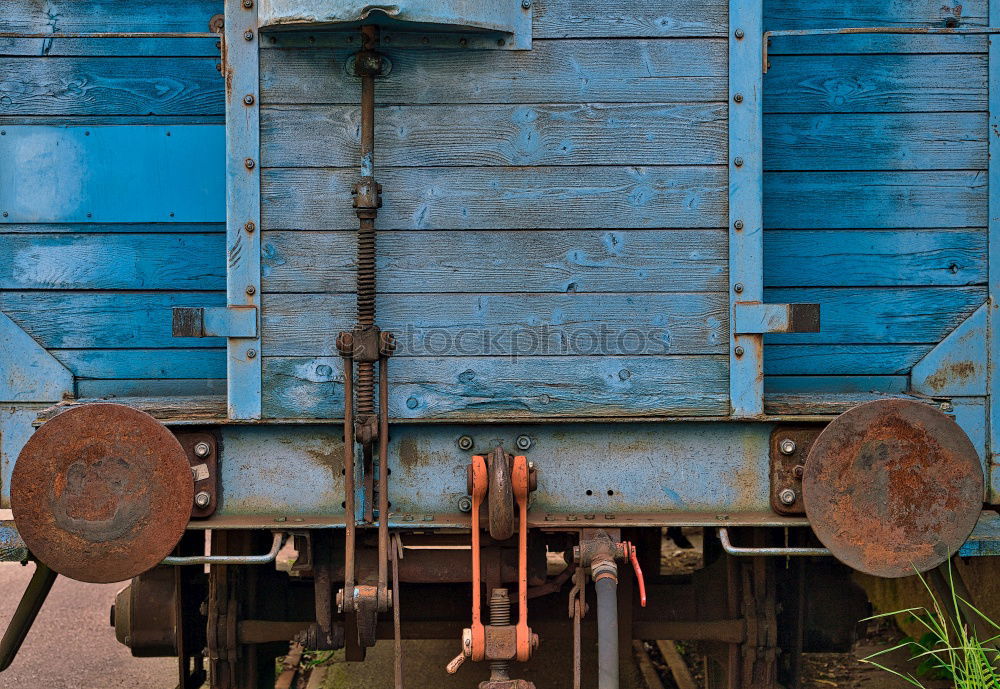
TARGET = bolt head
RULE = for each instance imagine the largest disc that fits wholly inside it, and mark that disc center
(739, 33)
(248, 3)
(526, 4)
(738, 225)
(251, 289)
(738, 98)
(465, 442)
(248, 99)
(947, 407)
(787, 496)
(738, 162)
(249, 163)
(738, 287)
(523, 442)
(248, 35)
(202, 499)
(249, 226)
(202, 449)
(251, 354)
(787, 446)
(465, 504)
(739, 351)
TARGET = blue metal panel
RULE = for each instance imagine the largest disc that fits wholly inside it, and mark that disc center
(696, 469)
(243, 229)
(15, 429)
(985, 537)
(746, 262)
(28, 373)
(111, 174)
(957, 365)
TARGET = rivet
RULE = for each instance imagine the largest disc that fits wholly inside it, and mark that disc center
(202, 499)
(738, 288)
(281, 519)
(249, 163)
(571, 517)
(523, 442)
(526, 4)
(251, 354)
(739, 34)
(737, 161)
(946, 406)
(202, 449)
(248, 35)
(738, 351)
(247, 4)
(787, 496)
(464, 504)
(248, 99)
(799, 470)
(787, 446)
(5, 214)
(463, 42)
(251, 289)
(738, 98)
(249, 226)
(465, 442)
(738, 225)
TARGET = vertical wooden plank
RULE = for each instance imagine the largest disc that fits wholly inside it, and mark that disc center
(993, 325)
(242, 69)
(746, 244)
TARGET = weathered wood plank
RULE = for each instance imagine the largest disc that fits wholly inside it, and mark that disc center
(116, 85)
(504, 325)
(627, 18)
(822, 14)
(168, 409)
(827, 403)
(914, 315)
(83, 320)
(514, 198)
(857, 258)
(529, 261)
(878, 43)
(876, 141)
(875, 83)
(113, 261)
(110, 389)
(110, 47)
(875, 199)
(842, 360)
(485, 135)
(144, 363)
(818, 386)
(572, 71)
(102, 228)
(72, 16)
(485, 387)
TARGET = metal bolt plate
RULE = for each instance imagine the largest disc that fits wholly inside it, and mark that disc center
(788, 449)
(892, 487)
(102, 493)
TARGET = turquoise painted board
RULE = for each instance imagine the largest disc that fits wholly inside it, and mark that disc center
(112, 174)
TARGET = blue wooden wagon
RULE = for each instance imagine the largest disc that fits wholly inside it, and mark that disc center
(428, 290)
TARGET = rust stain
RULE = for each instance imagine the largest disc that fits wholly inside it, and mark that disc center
(958, 372)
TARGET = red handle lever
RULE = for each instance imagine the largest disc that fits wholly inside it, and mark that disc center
(633, 558)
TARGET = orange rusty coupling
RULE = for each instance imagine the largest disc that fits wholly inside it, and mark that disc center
(486, 642)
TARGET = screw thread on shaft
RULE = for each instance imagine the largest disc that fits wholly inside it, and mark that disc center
(499, 617)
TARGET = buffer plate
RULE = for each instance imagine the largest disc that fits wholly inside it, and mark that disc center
(102, 493)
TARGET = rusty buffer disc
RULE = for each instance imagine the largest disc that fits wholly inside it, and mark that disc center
(893, 487)
(101, 493)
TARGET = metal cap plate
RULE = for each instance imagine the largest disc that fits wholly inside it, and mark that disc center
(893, 487)
(102, 493)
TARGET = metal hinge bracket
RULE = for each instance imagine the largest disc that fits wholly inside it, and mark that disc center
(215, 321)
(753, 318)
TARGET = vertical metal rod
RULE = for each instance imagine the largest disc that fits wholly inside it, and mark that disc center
(383, 476)
(348, 483)
(397, 552)
(366, 224)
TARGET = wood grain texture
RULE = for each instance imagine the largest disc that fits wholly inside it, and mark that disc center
(113, 261)
(147, 387)
(875, 199)
(509, 261)
(857, 258)
(570, 71)
(114, 85)
(821, 14)
(626, 18)
(819, 386)
(487, 135)
(505, 324)
(167, 408)
(876, 141)
(485, 387)
(841, 359)
(72, 16)
(99, 320)
(141, 364)
(875, 83)
(106, 47)
(515, 198)
(869, 44)
(913, 315)
(107, 228)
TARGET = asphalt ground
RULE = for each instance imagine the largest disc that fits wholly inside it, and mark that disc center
(72, 645)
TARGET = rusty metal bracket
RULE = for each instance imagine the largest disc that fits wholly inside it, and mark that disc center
(215, 321)
(202, 449)
(846, 31)
(752, 318)
(789, 448)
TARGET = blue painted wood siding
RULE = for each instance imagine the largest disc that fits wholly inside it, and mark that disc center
(875, 188)
(92, 269)
(552, 241)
